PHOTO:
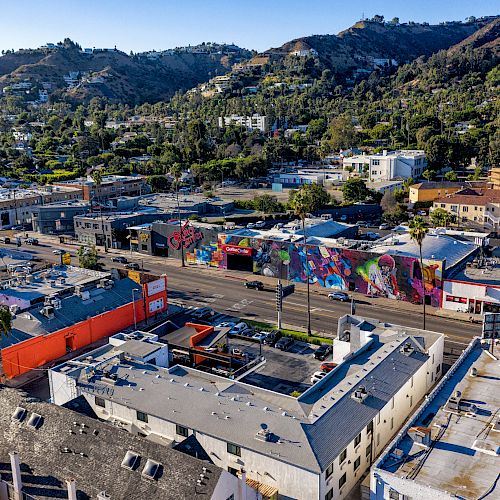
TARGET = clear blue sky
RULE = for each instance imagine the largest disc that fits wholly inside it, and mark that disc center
(140, 25)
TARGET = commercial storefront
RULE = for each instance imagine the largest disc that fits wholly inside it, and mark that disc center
(469, 297)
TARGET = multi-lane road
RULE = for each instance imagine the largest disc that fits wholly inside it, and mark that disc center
(224, 292)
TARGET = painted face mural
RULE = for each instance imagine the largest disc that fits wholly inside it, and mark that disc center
(392, 276)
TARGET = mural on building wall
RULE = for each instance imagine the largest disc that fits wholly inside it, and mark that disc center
(392, 276)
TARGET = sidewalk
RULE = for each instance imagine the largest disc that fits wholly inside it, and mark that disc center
(271, 282)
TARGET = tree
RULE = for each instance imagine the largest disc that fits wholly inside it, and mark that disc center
(429, 174)
(267, 203)
(388, 201)
(418, 230)
(451, 176)
(97, 178)
(302, 203)
(437, 150)
(441, 217)
(5, 331)
(354, 190)
(87, 257)
(176, 171)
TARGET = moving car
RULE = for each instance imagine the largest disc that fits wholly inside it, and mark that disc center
(323, 351)
(133, 265)
(254, 285)
(317, 376)
(342, 296)
(122, 260)
(202, 312)
(5, 240)
(58, 251)
(284, 343)
(327, 366)
(31, 241)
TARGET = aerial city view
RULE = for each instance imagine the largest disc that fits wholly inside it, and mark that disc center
(249, 250)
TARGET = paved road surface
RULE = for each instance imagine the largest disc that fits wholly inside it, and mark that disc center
(224, 292)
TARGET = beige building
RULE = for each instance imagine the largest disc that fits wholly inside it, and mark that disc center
(470, 205)
(494, 177)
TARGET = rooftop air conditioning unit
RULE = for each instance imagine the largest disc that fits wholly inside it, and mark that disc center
(360, 394)
(48, 312)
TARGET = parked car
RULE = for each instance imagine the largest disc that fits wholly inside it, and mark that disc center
(323, 351)
(278, 226)
(254, 285)
(260, 224)
(250, 225)
(284, 343)
(120, 259)
(422, 212)
(327, 366)
(362, 223)
(225, 324)
(384, 226)
(272, 337)
(31, 241)
(341, 296)
(372, 236)
(239, 329)
(58, 251)
(202, 312)
(317, 376)
(343, 218)
(133, 265)
(260, 336)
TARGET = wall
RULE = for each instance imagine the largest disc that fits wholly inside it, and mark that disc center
(343, 269)
(461, 295)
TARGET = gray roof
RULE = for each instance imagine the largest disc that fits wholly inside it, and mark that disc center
(455, 463)
(434, 247)
(235, 411)
(45, 467)
(138, 348)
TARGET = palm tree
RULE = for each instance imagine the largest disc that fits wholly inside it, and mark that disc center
(176, 171)
(5, 330)
(97, 178)
(301, 203)
(418, 230)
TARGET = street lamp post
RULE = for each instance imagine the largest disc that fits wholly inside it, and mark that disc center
(133, 305)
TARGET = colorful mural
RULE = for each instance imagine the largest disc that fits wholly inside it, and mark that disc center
(379, 275)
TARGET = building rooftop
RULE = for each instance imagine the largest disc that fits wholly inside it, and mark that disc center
(237, 411)
(19, 193)
(435, 247)
(106, 179)
(423, 186)
(463, 457)
(68, 445)
(472, 197)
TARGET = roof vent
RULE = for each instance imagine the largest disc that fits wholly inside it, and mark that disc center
(473, 372)
(263, 434)
(35, 421)
(407, 349)
(19, 414)
(150, 469)
(420, 435)
(360, 394)
(102, 495)
(130, 460)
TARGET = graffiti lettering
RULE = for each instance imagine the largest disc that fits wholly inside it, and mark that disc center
(186, 237)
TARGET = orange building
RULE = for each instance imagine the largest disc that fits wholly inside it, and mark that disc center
(149, 299)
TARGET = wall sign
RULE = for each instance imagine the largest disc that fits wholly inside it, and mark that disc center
(236, 250)
(187, 237)
(156, 286)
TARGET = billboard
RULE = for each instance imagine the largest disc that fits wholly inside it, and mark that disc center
(491, 326)
(156, 286)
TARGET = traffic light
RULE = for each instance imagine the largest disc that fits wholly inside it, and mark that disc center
(288, 290)
(279, 297)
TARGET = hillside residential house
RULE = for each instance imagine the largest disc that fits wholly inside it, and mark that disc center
(314, 446)
(254, 122)
(471, 205)
(387, 165)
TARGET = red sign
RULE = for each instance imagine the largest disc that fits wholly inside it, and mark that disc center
(188, 236)
(236, 250)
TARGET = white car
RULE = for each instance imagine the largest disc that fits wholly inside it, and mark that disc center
(239, 329)
(226, 324)
(260, 336)
(250, 225)
(317, 376)
(58, 251)
(260, 224)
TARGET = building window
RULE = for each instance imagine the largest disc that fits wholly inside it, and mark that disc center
(329, 471)
(357, 463)
(343, 456)
(378, 438)
(342, 480)
(233, 471)
(411, 401)
(357, 440)
(143, 417)
(466, 209)
(100, 402)
(329, 495)
(369, 428)
(438, 369)
(368, 450)
(181, 431)
(234, 449)
(230, 497)
(392, 422)
(392, 404)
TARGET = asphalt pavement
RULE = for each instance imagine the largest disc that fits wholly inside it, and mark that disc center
(224, 292)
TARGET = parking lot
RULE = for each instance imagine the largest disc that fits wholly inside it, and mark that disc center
(284, 371)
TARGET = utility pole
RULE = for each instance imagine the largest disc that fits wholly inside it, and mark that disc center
(180, 225)
(279, 301)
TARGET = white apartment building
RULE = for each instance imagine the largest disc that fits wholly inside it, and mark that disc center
(450, 448)
(316, 446)
(253, 122)
(387, 165)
